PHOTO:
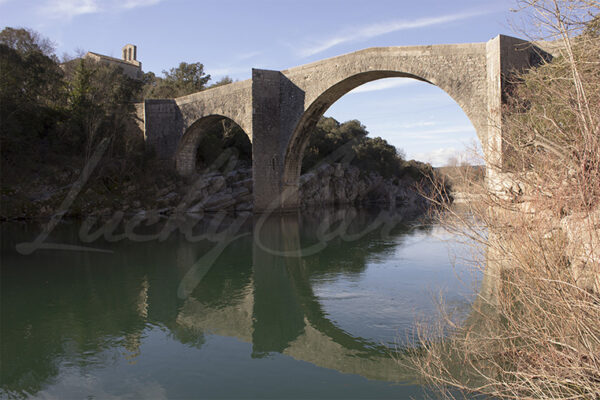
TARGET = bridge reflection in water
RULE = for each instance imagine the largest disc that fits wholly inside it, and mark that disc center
(277, 310)
(74, 307)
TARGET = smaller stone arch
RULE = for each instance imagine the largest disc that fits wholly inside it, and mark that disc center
(187, 149)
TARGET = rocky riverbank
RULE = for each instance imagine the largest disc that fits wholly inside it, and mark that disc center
(166, 193)
(337, 184)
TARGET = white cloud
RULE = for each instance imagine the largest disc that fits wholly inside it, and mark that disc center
(71, 8)
(68, 8)
(438, 157)
(129, 4)
(470, 154)
(382, 85)
(382, 28)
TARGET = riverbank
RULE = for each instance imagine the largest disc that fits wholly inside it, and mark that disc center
(42, 192)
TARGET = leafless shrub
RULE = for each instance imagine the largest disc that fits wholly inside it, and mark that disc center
(534, 330)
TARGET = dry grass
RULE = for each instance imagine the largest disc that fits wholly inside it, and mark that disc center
(534, 331)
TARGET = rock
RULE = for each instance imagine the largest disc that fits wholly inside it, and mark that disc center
(247, 183)
(239, 192)
(196, 208)
(338, 170)
(346, 184)
(171, 196)
(246, 206)
(215, 183)
(165, 190)
(216, 202)
(223, 205)
(246, 198)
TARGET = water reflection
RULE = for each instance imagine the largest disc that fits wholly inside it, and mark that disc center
(85, 310)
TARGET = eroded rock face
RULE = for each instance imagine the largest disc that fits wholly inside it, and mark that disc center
(232, 192)
(346, 184)
(214, 191)
(329, 184)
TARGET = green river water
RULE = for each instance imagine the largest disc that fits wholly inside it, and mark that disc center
(293, 306)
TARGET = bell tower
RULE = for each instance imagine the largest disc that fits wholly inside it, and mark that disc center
(130, 53)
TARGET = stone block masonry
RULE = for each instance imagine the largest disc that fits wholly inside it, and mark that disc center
(279, 109)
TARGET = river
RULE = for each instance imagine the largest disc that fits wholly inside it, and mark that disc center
(292, 306)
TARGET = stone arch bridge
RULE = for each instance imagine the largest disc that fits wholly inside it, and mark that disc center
(278, 109)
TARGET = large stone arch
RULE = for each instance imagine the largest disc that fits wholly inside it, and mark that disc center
(277, 108)
(307, 123)
(185, 155)
(459, 70)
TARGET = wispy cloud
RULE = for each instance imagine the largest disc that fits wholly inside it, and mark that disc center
(444, 131)
(248, 55)
(68, 9)
(238, 66)
(448, 134)
(382, 85)
(129, 4)
(417, 124)
(370, 31)
(228, 71)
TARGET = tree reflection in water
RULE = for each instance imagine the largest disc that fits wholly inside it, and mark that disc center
(84, 309)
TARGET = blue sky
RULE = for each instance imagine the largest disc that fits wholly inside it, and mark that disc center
(231, 37)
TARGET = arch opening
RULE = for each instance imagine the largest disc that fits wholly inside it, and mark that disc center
(313, 120)
(213, 142)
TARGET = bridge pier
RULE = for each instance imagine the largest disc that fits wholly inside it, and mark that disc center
(277, 106)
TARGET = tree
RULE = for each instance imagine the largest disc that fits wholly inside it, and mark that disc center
(100, 98)
(30, 89)
(221, 136)
(350, 138)
(226, 80)
(183, 80)
(26, 41)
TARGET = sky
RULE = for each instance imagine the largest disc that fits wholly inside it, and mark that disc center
(230, 37)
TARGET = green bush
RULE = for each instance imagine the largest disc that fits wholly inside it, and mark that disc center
(351, 145)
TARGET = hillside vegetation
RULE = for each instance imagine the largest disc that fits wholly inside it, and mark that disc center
(57, 118)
